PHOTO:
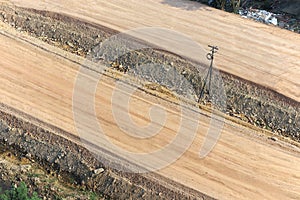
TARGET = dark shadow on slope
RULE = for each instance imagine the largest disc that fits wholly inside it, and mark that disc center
(186, 5)
(290, 6)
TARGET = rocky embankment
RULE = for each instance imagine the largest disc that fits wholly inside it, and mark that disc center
(71, 165)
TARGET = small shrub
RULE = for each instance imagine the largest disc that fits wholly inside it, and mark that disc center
(19, 193)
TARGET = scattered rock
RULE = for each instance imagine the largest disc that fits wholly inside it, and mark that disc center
(70, 44)
(274, 138)
(282, 20)
(259, 15)
(28, 155)
(98, 171)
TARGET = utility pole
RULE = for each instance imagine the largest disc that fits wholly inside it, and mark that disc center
(209, 56)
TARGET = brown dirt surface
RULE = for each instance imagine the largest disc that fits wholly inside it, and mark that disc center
(240, 166)
(253, 51)
(246, 100)
(243, 164)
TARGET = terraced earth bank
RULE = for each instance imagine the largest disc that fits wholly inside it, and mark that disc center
(69, 164)
(247, 101)
(65, 158)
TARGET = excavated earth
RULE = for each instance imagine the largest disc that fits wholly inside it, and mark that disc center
(247, 101)
(75, 165)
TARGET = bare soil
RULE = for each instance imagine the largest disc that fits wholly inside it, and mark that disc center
(248, 101)
(47, 154)
(240, 166)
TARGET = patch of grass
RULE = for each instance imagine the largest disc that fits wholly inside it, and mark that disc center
(35, 175)
(93, 196)
(18, 193)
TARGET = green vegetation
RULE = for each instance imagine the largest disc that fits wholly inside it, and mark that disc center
(93, 196)
(19, 193)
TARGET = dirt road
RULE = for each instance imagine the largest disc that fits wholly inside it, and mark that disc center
(241, 166)
(256, 52)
